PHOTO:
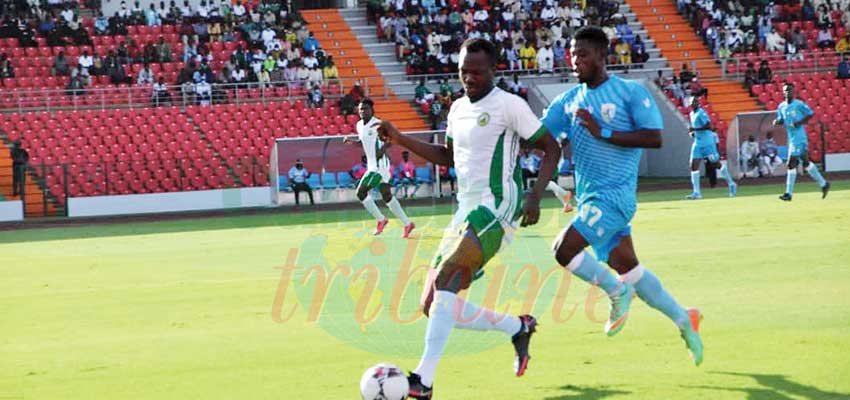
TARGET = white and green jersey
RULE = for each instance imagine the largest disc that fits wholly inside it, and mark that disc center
(368, 135)
(485, 136)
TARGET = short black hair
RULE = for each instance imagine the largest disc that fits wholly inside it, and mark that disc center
(476, 45)
(789, 84)
(593, 35)
(367, 101)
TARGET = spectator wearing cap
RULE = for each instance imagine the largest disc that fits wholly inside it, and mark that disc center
(298, 176)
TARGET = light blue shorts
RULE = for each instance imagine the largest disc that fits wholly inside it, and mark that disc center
(706, 151)
(602, 226)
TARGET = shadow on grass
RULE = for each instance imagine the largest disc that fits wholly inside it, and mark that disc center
(585, 393)
(776, 387)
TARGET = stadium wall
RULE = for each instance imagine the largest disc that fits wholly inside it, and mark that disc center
(838, 162)
(11, 210)
(670, 160)
(168, 202)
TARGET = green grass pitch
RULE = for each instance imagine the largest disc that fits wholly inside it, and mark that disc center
(200, 308)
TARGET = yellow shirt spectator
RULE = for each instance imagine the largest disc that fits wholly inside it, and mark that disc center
(330, 72)
(528, 55)
(624, 53)
(843, 45)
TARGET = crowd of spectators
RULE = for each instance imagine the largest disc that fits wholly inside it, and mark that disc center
(531, 35)
(274, 46)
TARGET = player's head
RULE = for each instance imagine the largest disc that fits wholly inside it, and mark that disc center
(788, 91)
(366, 109)
(589, 49)
(694, 102)
(769, 135)
(405, 155)
(477, 65)
(299, 163)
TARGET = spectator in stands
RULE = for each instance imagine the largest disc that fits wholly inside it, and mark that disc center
(436, 113)
(407, 172)
(101, 24)
(774, 42)
(808, 11)
(146, 76)
(843, 68)
(769, 155)
(187, 73)
(529, 162)
(750, 158)
(675, 88)
(511, 56)
(422, 94)
(660, 81)
(60, 65)
(751, 42)
(264, 79)
(160, 95)
(735, 42)
(203, 92)
(152, 16)
(624, 53)
(545, 59)
(750, 76)
(799, 39)
(85, 61)
(290, 74)
(116, 73)
(695, 88)
(75, 85)
(298, 181)
(20, 159)
(7, 70)
(638, 49)
(765, 73)
(330, 72)
(163, 51)
(825, 40)
(843, 45)
(528, 55)
(559, 54)
(315, 98)
(685, 74)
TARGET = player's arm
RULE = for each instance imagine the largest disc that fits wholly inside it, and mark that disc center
(348, 140)
(805, 120)
(435, 153)
(382, 151)
(551, 157)
(643, 138)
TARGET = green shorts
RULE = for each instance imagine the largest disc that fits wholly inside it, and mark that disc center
(371, 180)
(488, 229)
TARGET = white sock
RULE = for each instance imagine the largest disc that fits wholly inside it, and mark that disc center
(473, 317)
(559, 191)
(440, 324)
(370, 205)
(395, 207)
(695, 181)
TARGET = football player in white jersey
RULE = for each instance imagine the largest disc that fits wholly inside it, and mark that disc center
(378, 173)
(482, 142)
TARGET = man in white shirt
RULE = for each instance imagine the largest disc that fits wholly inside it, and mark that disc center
(68, 15)
(85, 61)
(480, 16)
(545, 59)
(238, 9)
(548, 14)
(202, 10)
(267, 36)
(774, 42)
(145, 76)
(310, 61)
(434, 44)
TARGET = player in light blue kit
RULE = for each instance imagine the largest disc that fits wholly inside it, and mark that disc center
(794, 114)
(705, 148)
(607, 121)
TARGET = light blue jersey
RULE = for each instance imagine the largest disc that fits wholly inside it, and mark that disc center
(705, 140)
(605, 174)
(794, 113)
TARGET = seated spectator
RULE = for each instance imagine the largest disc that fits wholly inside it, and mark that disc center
(529, 162)
(560, 54)
(735, 42)
(792, 52)
(660, 81)
(750, 158)
(624, 53)
(160, 95)
(407, 173)
(75, 86)
(6, 68)
(85, 61)
(751, 42)
(511, 56)
(146, 76)
(116, 74)
(298, 180)
(101, 24)
(639, 54)
(311, 44)
(769, 155)
(527, 55)
(843, 45)
(203, 92)
(765, 74)
(843, 68)
(448, 174)
(545, 59)
(517, 87)
(330, 71)
(695, 88)
(422, 94)
(675, 88)
(685, 75)
(152, 16)
(446, 89)
(315, 98)
(264, 79)
(825, 40)
(60, 65)
(799, 39)
(436, 113)
(163, 51)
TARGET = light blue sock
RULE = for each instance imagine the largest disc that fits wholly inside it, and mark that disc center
(790, 178)
(815, 174)
(591, 271)
(724, 172)
(649, 289)
(695, 181)
(441, 321)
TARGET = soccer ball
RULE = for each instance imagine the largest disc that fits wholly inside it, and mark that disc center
(384, 382)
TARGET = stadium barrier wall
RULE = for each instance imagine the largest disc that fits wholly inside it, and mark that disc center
(11, 210)
(838, 162)
(168, 202)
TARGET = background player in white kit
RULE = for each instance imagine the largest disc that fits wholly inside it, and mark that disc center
(378, 166)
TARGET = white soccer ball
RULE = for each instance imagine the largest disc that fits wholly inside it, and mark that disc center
(384, 382)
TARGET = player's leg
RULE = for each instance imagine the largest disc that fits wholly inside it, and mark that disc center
(395, 207)
(695, 164)
(813, 171)
(370, 180)
(723, 170)
(648, 287)
(562, 194)
(790, 177)
(569, 252)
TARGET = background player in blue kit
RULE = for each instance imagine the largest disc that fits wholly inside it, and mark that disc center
(794, 114)
(705, 148)
(607, 121)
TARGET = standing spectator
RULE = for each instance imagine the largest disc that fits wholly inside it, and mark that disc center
(20, 158)
(311, 44)
(765, 74)
(769, 155)
(545, 59)
(843, 68)
(512, 56)
(203, 92)
(407, 172)
(298, 181)
(560, 54)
